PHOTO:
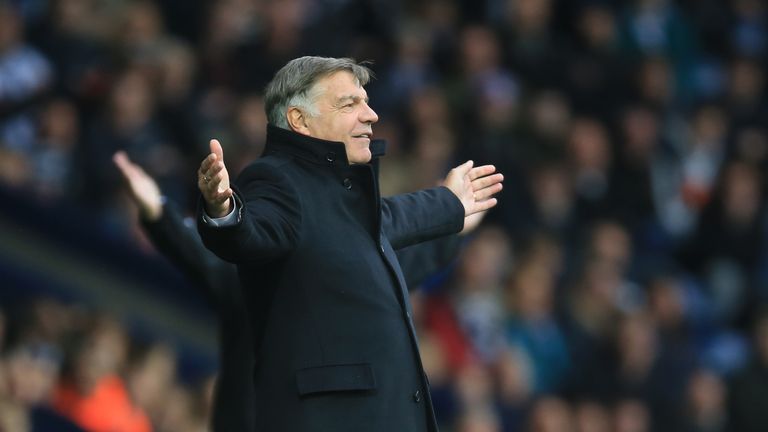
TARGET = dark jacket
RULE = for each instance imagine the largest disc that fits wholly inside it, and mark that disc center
(336, 345)
(218, 282)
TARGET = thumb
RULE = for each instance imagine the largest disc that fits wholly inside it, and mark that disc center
(217, 150)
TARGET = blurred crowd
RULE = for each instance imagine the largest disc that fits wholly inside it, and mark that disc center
(68, 368)
(622, 283)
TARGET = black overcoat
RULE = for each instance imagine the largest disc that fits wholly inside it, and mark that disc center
(335, 341)
(218, 282)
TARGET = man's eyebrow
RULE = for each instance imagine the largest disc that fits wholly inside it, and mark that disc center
(352, 98)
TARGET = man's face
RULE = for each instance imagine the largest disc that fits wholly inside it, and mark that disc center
(344, 115)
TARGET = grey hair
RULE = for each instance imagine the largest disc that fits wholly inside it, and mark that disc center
(294, 85)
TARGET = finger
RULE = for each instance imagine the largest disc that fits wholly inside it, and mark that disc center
(120, 158)
(212, 195)
(219, 198)
(216, 149)
(211, 182)
(130, 171)
(484, 193)
(206, 183)
(218, 181)
(464, 168)
(215, 171)
(121, 161)
(225, 195)
(481, 171)
(484, 205)
(202, 186)
(211, 173)
(484, 182)
(209, 160)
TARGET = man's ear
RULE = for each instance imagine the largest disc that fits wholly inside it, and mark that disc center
(297, 121)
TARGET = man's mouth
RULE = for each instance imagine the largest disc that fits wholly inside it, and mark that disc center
(366, 135)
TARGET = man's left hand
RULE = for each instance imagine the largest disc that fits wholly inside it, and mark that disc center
(474, 186)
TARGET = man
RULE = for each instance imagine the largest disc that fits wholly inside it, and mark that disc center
(218, 282)
(314, 245)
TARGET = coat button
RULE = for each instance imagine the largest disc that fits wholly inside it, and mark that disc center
(347, 183)
(417, 396)
(330, 157)
(381, 248)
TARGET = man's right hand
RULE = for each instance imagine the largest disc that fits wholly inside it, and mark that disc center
(213, 182)
(144, 189)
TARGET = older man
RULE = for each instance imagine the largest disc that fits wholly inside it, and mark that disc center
(314, 244)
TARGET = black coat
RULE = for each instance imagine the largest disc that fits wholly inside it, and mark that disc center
(218, 282)
(336, 344)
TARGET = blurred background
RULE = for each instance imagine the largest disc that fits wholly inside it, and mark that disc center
(621, 284)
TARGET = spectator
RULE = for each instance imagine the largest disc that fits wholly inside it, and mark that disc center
(93, 394)
(750, 384)
(706, 403)
(25, 76)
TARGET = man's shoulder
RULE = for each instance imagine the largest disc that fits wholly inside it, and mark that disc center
(276, 169)
(271, 160)
(268, 165)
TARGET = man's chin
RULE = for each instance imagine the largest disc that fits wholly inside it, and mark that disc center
(361, 157)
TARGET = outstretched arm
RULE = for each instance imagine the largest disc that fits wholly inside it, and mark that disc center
(422, 260)
(420, 216)
(181, 244)
(412, 218)
(167, 231)
(259, 221)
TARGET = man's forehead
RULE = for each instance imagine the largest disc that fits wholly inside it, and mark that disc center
(342, 84)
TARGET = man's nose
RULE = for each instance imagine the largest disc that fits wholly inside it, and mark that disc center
(369, 115)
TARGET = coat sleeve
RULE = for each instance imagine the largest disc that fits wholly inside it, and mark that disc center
(422, 260)
(268, 218)
(416, 217)
(181, 244)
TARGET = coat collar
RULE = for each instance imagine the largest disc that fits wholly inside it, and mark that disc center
(313, 149)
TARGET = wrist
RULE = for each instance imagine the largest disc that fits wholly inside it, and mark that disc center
(152, 212)
(219, 210)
